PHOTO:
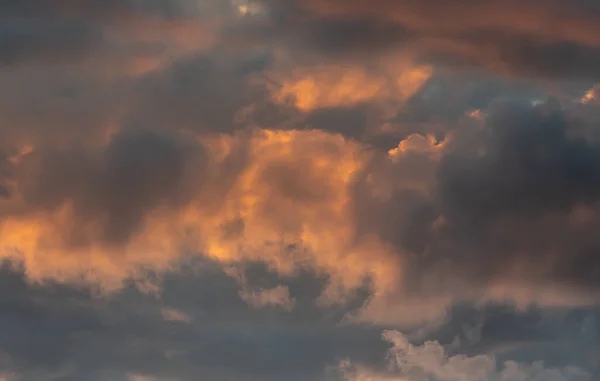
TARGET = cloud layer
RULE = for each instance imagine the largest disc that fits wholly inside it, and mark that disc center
(192, 188)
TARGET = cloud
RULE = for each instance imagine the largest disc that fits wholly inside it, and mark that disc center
(147, 196)
(198, 92)
(136, 170)
(529, 170)
(345, 86)
(392, 219)
(592, 95)
(504, 37)
(521, 190)
(91, 204)
(125, 334)
(430, 361)
(172, 314)
(23, 41)
(114, 38)
(174, 173)
(139, 377)
(277, 296)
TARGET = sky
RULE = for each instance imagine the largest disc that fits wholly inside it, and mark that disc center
(299, 190)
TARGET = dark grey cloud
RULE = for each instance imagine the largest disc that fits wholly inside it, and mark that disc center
(529, 56)
(56, 332)
(513, 201)
(351, 122)
(138, 170)
(95, 9)
(42, 33)
(530, 164)
(504, 37)
(200, 93)
(5, 174)
(42, 41)
(520, 197)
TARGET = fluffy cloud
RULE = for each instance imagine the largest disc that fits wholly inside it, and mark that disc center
(429, 361)
(313, 200)
(252, 190)
(388, 164)
(346, 86)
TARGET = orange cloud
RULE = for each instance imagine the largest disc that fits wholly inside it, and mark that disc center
(38, 241)
(592, 95)
(175, 315)
(284, 198)
(290, 205)
(327, 86)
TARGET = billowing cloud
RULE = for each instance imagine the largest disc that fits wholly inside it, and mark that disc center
(343, 86)
(247, 197)
(206, 189)
(430, 361)
(392, 219)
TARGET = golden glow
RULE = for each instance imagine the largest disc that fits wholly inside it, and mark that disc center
(591, 95)
(417, 143)
(342, 86)
(248, 8)
(289, 205)
(476, 114)
(295, 191)
(322, 90)
(288, 202)
(23, 151)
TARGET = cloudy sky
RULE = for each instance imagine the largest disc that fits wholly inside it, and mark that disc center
(299, 190)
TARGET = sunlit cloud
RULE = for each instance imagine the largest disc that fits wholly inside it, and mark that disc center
(430, 361)
(591, 95)
(333, 86)
(249, 8)
(253, 190)
(174, 315)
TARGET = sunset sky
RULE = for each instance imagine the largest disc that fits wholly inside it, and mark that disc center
(300, 190)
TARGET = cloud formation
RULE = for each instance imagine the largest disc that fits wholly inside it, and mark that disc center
(543, 38)
(204, 189)
(392, 218)
(431, 362)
